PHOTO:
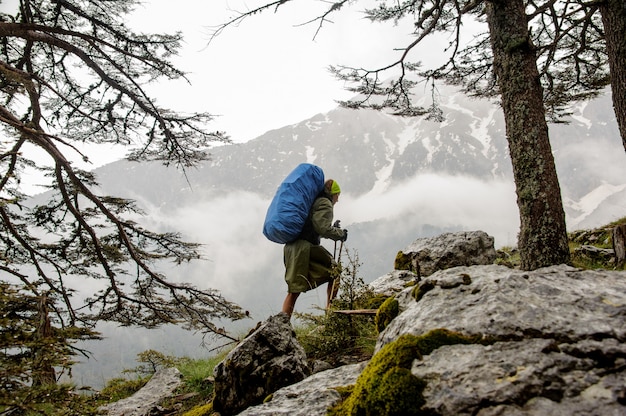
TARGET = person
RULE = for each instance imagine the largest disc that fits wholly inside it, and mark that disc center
(307, 263)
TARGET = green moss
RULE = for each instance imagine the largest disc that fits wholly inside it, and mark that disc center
(375, 301)
(386, 313)
(345, 391)
(386, 386)
(202, 410)
(420, 290)
(402, 262)
(436, 338)
(375, 386)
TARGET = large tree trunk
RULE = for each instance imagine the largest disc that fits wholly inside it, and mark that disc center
(43, 371)
(542, 239)
(614, 21)
(619, 245)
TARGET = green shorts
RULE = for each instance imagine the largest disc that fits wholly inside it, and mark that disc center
(307, 266)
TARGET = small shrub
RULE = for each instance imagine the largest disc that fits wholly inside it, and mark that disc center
(509, 257)
(197, 373)
(332, 336)
(150, 361)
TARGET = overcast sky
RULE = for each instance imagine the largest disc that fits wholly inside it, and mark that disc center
(269, 71)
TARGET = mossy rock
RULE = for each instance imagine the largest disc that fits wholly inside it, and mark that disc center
(386, 387)
(386, 313)
(375, 301)
(420, 290)
(203, 410)
(403, 261)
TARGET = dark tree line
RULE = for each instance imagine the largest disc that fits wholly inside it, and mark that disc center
(535, 57)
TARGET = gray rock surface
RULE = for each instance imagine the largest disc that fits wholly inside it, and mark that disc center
(558, 302)
(557, 345)
(312, 396)
(466, 248)
(162, 385)
(393, 282)
(266, 360)
(531, 377)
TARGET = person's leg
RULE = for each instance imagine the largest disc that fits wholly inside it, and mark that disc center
(290, 303)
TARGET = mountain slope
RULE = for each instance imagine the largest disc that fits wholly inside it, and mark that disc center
(370, 151)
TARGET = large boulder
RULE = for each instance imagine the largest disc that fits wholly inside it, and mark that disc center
(266, 360)
(489, 340)
(553, 341)
(465, 248)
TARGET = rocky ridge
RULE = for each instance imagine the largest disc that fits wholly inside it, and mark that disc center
(546, 342)
(475, 339)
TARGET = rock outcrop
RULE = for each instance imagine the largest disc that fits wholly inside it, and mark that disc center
(554, 342)
(466, 248)
(312, 396)
(547, 342)
(143, 403)
(266, 360)
(393, 282)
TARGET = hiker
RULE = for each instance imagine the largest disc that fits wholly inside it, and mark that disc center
(307, 263)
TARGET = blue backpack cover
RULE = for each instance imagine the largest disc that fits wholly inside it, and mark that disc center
(290, 207)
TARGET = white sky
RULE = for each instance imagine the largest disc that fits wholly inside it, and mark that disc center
(267, 72)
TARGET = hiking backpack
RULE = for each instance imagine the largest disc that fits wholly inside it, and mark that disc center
(292, 202)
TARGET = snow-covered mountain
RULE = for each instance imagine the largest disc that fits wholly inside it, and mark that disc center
(370, 152)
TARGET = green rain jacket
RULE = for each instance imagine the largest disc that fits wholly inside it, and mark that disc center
(309, 265)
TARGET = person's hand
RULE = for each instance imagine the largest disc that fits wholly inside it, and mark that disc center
(336, 224)
(345, 235)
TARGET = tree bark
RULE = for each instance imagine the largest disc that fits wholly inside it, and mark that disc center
(619, 244)
(542, 240)
(614, 20)
(43, 371)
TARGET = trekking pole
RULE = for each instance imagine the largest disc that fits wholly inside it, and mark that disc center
(337, 224)
(340, 250)
(336, 280)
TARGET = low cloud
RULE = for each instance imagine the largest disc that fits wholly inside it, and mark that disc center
(442, 201)
(248, 269)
